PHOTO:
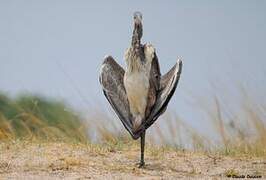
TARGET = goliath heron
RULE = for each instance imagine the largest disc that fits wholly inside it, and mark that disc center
(138, 94)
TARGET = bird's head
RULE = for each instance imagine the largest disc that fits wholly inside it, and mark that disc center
(138, 24)
(137, 18)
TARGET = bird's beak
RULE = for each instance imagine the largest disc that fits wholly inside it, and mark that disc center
(137, 19)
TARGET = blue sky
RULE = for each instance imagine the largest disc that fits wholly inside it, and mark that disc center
(56, 48)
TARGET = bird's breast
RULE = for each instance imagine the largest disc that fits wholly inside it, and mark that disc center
(137, 87)
(137, 81)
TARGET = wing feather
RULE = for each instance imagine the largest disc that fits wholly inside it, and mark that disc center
(111, 79)
(168, 84)
(155, 76)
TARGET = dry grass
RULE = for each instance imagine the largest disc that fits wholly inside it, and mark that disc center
(80, 161)
(40, 139)
(241, 132)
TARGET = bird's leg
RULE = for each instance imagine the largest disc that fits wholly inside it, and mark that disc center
(142, 144)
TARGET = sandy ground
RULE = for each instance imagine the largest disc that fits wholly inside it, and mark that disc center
(72, 161)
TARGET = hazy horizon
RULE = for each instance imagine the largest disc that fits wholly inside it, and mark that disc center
(56, 48)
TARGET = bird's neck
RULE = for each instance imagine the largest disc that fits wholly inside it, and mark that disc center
(135, 55)
(135, 43)
(136, 37)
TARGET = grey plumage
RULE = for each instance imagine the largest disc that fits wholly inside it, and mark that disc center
(118, 85)
(111, 79)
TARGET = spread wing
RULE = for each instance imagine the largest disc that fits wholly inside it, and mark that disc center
(155, 76)
(168, 84)
(111, 79)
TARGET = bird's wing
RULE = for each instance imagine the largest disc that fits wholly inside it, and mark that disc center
(155, 76)
(168, 84)
(155, 73)
(111, 79)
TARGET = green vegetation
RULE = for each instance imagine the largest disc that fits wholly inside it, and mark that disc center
(35, 117)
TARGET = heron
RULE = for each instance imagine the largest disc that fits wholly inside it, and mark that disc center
(139, 94)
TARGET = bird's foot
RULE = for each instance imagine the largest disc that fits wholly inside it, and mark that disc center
(141, 164)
